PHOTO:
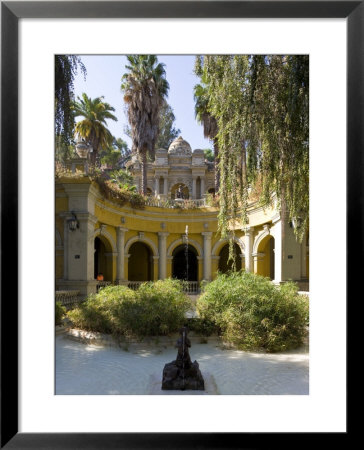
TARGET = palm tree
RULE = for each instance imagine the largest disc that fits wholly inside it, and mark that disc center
(93, 127)
(145, 89)
(210, 128)
(66, 68)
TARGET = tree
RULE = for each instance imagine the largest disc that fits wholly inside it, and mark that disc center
(224, 80)
(145, 89)
(64, 150)
(167, 131)
(208, 121)
(116, 154)
(209, 154)
(260, 104)
(93, 127)
(280, 98)
(66, 68)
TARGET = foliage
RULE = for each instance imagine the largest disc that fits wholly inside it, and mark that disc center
(156, 308)
(206, 117)
(122, 177)
(167, 131)
(116, 154)
(66, 68)
(209, 154)
(93, 128)
(279, 104)
(212, 200)
(64, 150)
(119, 193)
(60, 311)
(145, 89)
(253, 313)
(202, 327)
(260, 104)
(224, 77)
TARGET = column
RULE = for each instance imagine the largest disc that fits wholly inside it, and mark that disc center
(162, 249)
(156, 185)
(276, 232)
(207, 235)
(120, 244)
(242, 260)
(248, 249)
(202, 187)
(194, 187)
(257, 258)
(215, 264)
(126, 267)
(155, 262)
(304, 257)
(165, 186)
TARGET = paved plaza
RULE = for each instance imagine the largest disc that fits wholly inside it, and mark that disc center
(100, 370)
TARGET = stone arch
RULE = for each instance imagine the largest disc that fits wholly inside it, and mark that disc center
(104, 263)
(140, 261)
(220, 244)
(264, 263)
(185, 263)
(225, 264)
(107, 236)
(184, 188)
(180, 241)
(144, 240)
(263, 234)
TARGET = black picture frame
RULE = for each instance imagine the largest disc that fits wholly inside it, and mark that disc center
(11, 12)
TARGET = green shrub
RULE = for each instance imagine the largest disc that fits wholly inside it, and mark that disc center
(60, 311)
(100, 311)
(253, 313)
(202, 327)
(163, 305)
(156, 308)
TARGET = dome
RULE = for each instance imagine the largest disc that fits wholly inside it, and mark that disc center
(180, 147)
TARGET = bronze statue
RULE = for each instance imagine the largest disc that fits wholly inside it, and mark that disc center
(182, 374)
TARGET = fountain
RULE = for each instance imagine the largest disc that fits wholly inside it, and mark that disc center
(182, 374)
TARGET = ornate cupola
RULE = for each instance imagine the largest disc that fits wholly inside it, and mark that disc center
(180, 147)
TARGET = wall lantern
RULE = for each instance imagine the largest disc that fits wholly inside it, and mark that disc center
(73, 222)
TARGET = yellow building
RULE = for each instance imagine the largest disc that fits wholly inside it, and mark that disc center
(127, 245)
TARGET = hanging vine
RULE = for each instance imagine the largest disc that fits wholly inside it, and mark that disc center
(261, 106)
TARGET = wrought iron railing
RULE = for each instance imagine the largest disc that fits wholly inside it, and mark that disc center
(67, 298)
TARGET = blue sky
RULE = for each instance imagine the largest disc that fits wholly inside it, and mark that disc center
(104, 74)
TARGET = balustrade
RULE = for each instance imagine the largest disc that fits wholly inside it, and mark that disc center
(67, 298)
(189, 287)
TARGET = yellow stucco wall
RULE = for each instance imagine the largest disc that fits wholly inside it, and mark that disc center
(143, 225)
(264, 262)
